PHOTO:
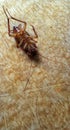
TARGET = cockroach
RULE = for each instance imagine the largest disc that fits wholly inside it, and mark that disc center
(23, 39)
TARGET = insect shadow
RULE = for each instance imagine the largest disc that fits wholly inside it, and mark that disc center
(24, 40)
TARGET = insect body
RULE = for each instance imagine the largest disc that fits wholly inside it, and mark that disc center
(23, 39)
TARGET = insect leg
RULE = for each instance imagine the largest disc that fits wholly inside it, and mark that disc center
(18, 45)
(18, 20)
(36, 35)
(9, 31)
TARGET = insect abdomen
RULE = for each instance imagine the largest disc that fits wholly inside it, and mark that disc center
(32, 51)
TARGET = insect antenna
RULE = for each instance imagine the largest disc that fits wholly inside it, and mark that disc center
(30, 74)
(43, 56)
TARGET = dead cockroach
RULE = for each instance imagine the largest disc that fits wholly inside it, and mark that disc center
(23, 39)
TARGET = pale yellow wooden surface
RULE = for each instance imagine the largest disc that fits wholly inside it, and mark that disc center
(45, 103)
